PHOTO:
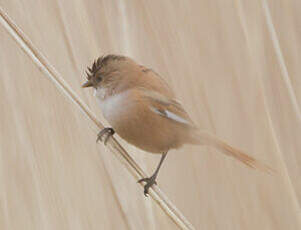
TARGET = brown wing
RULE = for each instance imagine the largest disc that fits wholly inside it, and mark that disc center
(155, 82)
(166, 107)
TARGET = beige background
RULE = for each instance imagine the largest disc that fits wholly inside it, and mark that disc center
(219, 58)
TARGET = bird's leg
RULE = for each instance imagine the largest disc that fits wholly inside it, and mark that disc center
(152, 180)
(106, 133)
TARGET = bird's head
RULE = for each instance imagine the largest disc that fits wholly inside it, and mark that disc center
(103, 70)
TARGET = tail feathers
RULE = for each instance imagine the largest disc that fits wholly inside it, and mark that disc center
(205, 138)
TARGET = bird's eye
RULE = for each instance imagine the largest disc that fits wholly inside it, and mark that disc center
(98, 79)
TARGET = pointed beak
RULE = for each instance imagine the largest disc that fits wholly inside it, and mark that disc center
(87, 84)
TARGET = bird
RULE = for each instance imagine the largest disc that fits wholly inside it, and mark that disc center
(143, 110)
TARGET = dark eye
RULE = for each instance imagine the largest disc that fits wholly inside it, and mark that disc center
(98, 79)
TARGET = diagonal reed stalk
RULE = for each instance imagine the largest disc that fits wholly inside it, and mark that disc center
(45, 67)
(280, 59)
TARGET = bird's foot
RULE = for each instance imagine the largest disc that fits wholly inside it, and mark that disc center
(105, 133)
(149, 182)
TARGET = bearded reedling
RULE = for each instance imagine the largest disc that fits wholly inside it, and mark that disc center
(142, 109)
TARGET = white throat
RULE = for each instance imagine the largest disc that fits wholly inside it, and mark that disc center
(100, 93)
(110, 105)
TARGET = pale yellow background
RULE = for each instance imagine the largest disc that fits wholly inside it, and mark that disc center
(219, 58)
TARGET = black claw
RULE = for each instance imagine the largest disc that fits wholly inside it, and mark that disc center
(107, 132)
(145, 191)
(142, 180)
(149, 182)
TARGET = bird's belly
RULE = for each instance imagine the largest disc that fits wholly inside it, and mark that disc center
(138, 125)
(144, 130)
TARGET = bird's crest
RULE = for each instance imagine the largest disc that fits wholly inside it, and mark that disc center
(100, 62)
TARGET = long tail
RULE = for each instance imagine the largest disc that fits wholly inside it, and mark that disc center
(205, 138)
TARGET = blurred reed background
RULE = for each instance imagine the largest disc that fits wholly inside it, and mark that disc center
(236, 71)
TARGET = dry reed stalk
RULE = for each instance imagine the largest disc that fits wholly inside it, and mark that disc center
(280, 58)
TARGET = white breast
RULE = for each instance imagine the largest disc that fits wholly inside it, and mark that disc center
(111, 106)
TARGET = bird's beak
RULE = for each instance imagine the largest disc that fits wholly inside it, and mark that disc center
(87, 84)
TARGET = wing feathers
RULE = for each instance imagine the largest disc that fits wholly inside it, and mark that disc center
(166, 107)
(170, 115)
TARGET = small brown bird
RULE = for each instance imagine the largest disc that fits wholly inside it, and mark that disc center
(142, 109)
